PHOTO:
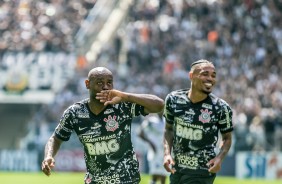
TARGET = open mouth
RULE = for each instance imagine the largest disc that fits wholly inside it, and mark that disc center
(208, 85)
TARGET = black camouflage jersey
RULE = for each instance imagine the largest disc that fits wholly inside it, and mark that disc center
(196, 127)
(106, 137)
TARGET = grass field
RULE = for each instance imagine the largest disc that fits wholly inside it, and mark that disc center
(77, 178)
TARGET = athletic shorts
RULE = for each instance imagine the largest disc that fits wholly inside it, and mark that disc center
(179, 178)
(90, 179)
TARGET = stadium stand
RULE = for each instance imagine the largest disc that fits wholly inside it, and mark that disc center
(14, 120)
(37, 59)
(155, 45)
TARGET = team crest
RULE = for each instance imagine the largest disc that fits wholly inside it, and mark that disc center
(111, 123)
(205, 116)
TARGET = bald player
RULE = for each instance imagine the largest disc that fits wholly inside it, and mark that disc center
(194, 118)
(102, 124)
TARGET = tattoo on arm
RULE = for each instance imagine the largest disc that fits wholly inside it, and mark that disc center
(168, 139)
(227, 141)
(52, 146)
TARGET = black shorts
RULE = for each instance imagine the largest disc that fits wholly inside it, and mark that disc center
(89, 179)
(179, 178)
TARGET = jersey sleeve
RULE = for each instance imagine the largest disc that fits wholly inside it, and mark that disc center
(225, 121)
(133, 109)
(139, 110)
(168, 109)
(65, 127)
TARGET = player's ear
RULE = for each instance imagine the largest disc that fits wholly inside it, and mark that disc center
(87, 83)
(190, 74)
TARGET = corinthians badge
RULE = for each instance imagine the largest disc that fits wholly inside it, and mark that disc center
(205, 116)
(111, 123)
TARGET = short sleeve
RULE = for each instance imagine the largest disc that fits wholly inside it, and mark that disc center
(65, 127)
(225, 121)
(168, 109)
(135, 109)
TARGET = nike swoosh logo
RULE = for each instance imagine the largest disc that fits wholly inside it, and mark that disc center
(178, 110)
(80, 129)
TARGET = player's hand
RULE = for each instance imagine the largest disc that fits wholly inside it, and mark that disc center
(169, 163)
(109, 97)
(47, 165)
(214, 165)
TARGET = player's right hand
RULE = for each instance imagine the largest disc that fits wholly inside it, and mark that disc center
(169, 163)
(109, 97)
(47, 164)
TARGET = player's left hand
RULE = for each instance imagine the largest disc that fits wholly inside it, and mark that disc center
(214, 165)
(109, 97)
(169, 163)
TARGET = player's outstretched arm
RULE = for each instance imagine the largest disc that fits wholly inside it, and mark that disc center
(152, 103)
(51, 149)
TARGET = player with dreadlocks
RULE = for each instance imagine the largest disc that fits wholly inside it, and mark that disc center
(194, 118)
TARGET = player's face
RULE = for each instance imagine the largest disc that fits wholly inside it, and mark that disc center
(204, 78)
(98, 83)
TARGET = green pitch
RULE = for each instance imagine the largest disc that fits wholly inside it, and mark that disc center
(77, 178)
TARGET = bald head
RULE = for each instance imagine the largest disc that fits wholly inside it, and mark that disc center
(99, 71)
(99, 79)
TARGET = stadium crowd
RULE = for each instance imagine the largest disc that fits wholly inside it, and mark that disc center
(49, 25)
(161, 38)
